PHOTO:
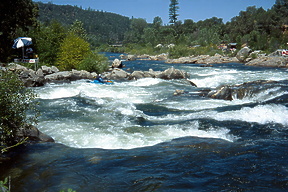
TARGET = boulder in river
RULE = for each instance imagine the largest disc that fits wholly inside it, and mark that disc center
(172, 73)
(117, 74)
(245, 90)
(117, 64)
(243, 54)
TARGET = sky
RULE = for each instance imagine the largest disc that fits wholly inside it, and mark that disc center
(189, 9)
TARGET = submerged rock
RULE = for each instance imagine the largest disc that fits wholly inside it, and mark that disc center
(245, 90)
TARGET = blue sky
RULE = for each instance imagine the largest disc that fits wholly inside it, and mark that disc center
(189, 9)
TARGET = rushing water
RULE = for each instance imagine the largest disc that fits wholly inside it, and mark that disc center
(137, 136)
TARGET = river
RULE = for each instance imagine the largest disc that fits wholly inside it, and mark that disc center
(138, 136)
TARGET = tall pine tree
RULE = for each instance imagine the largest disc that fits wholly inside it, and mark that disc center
(173, 11)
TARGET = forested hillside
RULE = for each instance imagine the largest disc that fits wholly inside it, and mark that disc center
(102, 27)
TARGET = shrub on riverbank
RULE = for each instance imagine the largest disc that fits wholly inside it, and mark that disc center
(176, 51)
(72, 51)
(15, 101)
(94, 62)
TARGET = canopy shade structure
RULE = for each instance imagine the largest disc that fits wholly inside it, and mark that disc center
(21, 42)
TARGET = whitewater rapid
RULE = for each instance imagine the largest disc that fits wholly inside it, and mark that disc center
(132, 114)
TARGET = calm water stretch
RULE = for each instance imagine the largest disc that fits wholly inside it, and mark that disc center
(137, 136)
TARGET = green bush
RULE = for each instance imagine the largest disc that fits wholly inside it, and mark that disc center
(15, 101)
(94, 62)
(179, 51)
(72, 51)
(184, 51)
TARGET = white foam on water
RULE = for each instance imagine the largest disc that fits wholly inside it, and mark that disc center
(214, 81)
(212, 77)
(57, 92)
(263, 114)
(108, 119)
(144, 82)
(214, 71)
(118, 137)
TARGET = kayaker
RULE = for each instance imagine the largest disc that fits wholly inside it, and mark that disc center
(100, 79)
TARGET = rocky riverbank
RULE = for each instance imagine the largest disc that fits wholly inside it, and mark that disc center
(269, 61)
(46, 74)
(204, 59)
(245, 55)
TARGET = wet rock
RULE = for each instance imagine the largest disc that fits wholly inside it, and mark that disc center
(191, 83)
(172, 73)
(118, 74)
(245, 90)
(33, 134)
(224, 92)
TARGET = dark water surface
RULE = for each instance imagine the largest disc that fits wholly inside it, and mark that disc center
(137, 136)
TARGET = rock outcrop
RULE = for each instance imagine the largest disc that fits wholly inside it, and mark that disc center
(33, 134)
(171, 73)
(269, 61)
(203, 59)
(46, 74)
(243, 54)
(53, 75)
(117, 74)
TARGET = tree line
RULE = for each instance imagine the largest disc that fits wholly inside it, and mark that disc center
(257, 28)
(49, 24)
